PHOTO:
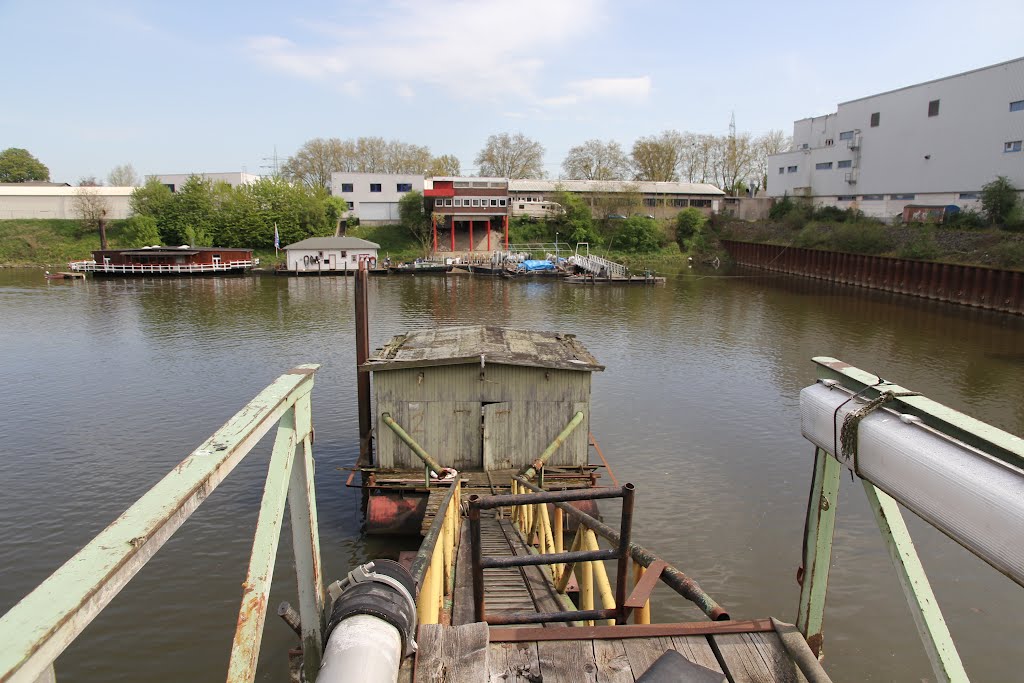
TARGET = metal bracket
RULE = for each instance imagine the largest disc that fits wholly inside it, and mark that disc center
(363, 574)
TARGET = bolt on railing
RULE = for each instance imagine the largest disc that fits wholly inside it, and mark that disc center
(40, 627)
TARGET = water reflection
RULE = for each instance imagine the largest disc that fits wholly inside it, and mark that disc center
(110, 383)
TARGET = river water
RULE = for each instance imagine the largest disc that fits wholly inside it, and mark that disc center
(107, 384)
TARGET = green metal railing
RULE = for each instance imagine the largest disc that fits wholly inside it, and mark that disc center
(40, 627)
(823, 506)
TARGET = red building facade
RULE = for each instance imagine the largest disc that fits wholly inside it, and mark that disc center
(463, 205)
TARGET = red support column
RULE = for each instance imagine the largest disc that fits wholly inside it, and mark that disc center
(433, 227)
(488, 234)
(453, 232)
(506, 232)
(470, 235)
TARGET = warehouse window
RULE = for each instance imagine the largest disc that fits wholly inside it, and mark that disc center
(846, 198)
(403, 187)
(845, 163)
(824, 166)
(846, 135)
(791, 169)
(782, 169)
(901, 196)
(346, 187)
(968, 195)
(679, 202)
(828, 142)
(374, 187)
(1012, 146)
(933, 108)
(650, 201)
(706, 203)
(873, 197)
(876, 119)
(1017, 106)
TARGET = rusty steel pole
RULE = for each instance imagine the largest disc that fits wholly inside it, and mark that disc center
(362, 354)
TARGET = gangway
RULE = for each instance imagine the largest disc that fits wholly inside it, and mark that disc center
(597, 265)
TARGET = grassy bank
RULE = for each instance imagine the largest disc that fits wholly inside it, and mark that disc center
(49, 242)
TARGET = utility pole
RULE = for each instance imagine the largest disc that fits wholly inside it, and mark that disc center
(272, 164)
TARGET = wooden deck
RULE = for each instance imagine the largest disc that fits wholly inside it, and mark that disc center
(474, 652)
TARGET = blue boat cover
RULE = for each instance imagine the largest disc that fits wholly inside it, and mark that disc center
(538, 265)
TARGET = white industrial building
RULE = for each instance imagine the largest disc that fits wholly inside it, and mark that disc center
(935, 143)
(329, 254)
(31, 200)
(373, 197)
(174, 181)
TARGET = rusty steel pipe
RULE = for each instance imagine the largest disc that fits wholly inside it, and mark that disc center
(362, 354)
(412, 444)
(530, 471)
(622, 569)
(511, 499)
(545, 617)
(505, 562)
(477, 557)
(675, 579)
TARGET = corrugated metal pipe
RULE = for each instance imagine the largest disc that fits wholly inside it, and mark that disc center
(530, 471)
(372, 625)
(434, 466)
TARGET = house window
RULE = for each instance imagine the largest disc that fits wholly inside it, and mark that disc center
(346, 187)
(791, 169)
(968, 195)
(876, 118)
(782, 169)
(476, 202)
(502, 202)
(1017, 106)
(447, 202)
(803, 146)
(374, 187)
(824, 166)
(438, 202)
(933, 108)
(403, 187)
(846, 198)
(846, 135)
(1012, 146)
(494, 202)
(872, 197)
(521, 206)
(845, 163)
(828, 142)
(901, 196)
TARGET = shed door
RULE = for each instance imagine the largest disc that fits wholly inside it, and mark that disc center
(497, 436)
(448, 430)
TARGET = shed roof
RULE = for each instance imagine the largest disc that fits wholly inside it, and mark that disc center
(483, 344)
(334, 243)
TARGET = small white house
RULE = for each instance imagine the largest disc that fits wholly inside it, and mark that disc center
(327, 254)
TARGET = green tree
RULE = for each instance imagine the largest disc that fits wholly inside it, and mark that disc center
(123, 175)
(152, 199)
(192, 206)
(639, 234)
(998, 199)
(657, 157)
(444, 165)
(140, 231)
(576, 224)
(414, 218)
(689, 221)
(18, 166)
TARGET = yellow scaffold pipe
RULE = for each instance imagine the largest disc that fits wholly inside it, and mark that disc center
(530, 471)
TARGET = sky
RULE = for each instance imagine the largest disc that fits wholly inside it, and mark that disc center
(182, 87)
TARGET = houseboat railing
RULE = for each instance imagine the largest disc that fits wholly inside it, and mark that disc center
(648, 568)
(40, 627)
(433, 568)
(141, 268)
(961, 476)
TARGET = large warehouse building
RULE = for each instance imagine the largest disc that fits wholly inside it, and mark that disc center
(934, 143)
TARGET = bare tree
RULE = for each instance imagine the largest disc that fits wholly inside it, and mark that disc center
(444, 165)
(733, 158)
(123, 175)
(511, 156)
(313, 164)
(656, 157)
(772, 142)
(596, 160)
(92, 209)
(89, 181)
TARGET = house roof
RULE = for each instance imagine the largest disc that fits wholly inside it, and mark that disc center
(334, 243)
(642, 186)
(483, 344)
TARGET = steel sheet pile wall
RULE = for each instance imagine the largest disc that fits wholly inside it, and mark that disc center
(991, 288)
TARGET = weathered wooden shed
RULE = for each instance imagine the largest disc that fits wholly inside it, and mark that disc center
(480, 397)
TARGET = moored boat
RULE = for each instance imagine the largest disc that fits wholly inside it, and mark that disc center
(157, 260)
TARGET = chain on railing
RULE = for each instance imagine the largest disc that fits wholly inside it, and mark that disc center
(40, 627)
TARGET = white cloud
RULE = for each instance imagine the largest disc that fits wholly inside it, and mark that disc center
(405, 91)
(471, 48)
(613, 88)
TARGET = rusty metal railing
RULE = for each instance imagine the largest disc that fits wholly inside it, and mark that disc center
(621, 553)
(40, 627)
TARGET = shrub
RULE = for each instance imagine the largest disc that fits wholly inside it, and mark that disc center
(921, 246)
(688, 221)
(812, 236)
(639, 234)
(781, 208)
(795, 220)
(1009, 254)
(998, 199)
(968, 219)
(1015, 219)
(862, 238)
(831, 214)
